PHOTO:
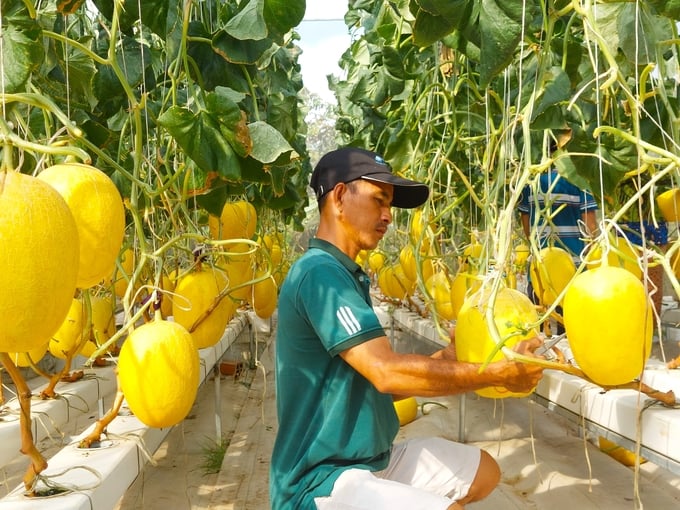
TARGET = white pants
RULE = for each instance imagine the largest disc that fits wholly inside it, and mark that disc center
(423, 474)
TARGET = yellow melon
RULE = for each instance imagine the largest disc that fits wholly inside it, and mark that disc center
(238, 265)
(264, 295)
(24, 359)
(462, 285)
(515, 318)
(619, 253)
(196, 298)
(70, 332)
(669, 204)
(103, 320)
(608, 320)
(158, 371)
(376, 260)
(521, 255)
(393, 282)
(551, 271)
(406, 409)
(439, 287)
(237, 221)
(38, 261)
(98, 210)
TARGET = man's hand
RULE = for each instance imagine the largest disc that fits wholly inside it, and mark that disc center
(528, 347)
(448, 352)
(523, 377)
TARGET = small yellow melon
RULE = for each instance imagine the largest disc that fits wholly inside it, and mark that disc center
(196, 305)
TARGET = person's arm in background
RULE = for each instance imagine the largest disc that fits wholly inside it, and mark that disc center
(525, 224)
(590, 221)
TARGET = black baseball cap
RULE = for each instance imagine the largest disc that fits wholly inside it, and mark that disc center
(351, 163)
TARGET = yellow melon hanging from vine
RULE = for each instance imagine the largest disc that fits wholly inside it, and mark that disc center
(551, 271)
(515, 318)
(237, 221)
(38, 261)
(70, 333)
(608, 319)
(98, 210)
(201, 305)
(158, 371)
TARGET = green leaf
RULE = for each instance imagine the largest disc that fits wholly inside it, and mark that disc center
(22, 48)
(214, 70)
(668, 8)
(452, 11)
(235, 51)
(555, 89)
(593, 173)
(617, 23)
(231, 120)
(75, 73)
(282, 16)
(249, 23)
(269, 145)
(200, 138)
(254, 171)
(289, 199)
(500, 25)
(155, 13)
(435, 19)
(428, 28)
(393, 62)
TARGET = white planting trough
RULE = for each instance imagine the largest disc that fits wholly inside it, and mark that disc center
(614, 414)
(100, 476)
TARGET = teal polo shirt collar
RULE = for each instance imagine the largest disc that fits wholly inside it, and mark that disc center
(324, 245)
(340, 256)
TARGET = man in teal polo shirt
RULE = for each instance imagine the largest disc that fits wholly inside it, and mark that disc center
(337, 375)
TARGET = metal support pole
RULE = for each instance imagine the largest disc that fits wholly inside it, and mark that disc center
(218, 404)
(461, 417)
(391, 337)
(252, 347)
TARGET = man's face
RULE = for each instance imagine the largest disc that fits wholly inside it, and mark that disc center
(367, 212)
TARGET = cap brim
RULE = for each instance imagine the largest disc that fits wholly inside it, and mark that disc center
(407, 193)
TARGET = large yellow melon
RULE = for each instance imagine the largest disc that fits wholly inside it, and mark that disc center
(98, 210)
(38, 261)
(515, 318)
(608, 321)
(158, 371)
(195, 297)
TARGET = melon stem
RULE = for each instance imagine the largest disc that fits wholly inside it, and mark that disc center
(38, 462)
(667, 398)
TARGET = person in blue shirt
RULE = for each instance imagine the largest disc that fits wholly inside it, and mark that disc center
(562, 214)
(337, 375)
